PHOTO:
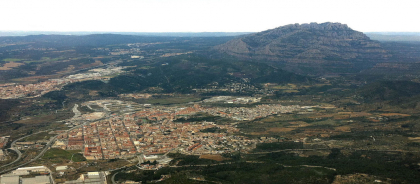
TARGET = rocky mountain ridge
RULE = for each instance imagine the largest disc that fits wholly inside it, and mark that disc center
(323, 45)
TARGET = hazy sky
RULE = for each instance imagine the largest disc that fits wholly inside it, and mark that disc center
(205, 15)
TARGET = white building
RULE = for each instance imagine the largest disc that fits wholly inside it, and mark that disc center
(9, 179)
(37, 180)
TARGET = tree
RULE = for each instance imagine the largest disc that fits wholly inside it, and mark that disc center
(335, 152)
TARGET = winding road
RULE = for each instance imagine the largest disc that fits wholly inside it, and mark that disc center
(12, 147)
(113, 178)
(48, 145)
(52, 140)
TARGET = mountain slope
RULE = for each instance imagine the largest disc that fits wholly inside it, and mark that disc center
(326, 47)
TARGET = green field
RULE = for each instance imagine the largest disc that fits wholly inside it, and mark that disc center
(44, 59)
(12, 59)
(39, 136)
(57, 155)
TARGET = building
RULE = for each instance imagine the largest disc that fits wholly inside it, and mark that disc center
(90, 178)
(61, 168)
(16, 179)
(151, 157)
(3, 141)
(9, 179)
(31, 169)
(37, 180)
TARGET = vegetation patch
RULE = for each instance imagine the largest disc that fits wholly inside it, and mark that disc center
(266, 173)
(380, 164)
(10, 65)
(180, 159)
(58, 155)
(395, 114)
(45, 118)
(214, 130)
(277, 130)
(12, 60)
(39, 136)
(199, 117)
(278, 146)
(218, 158)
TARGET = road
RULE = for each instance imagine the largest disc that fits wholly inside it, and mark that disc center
(52, 179)
(12, 147)
(113, 178)
(48, 145)
(17, 159)
(34, 159)
(51, 142)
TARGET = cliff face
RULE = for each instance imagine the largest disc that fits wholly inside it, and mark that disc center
(325, 44)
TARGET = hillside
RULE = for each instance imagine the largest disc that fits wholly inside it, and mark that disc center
(183, 74)
(309, 48)
(41, 55)
(401, 93)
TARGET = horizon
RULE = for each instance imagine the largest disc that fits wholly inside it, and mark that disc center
(205, 33)
(203, 15)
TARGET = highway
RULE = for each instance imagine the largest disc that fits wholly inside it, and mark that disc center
(12, 147)
(45, 149)
(17, 159)
(34, 159)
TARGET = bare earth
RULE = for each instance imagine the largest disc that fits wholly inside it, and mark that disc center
(10, 65)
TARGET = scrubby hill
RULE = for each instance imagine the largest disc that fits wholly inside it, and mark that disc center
(183, 74)
(402, 93)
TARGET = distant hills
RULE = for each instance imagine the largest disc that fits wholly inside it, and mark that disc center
(394, 36)
(161, 34)
(81, 40)
(309, 48)
(99, 40)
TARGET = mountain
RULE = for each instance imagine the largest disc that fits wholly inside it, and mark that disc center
(325, 47)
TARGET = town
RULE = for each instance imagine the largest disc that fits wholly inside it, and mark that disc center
(123, 136)
(14, 91)
(126, 130)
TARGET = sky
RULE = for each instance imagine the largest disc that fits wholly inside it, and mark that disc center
(205, 15)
